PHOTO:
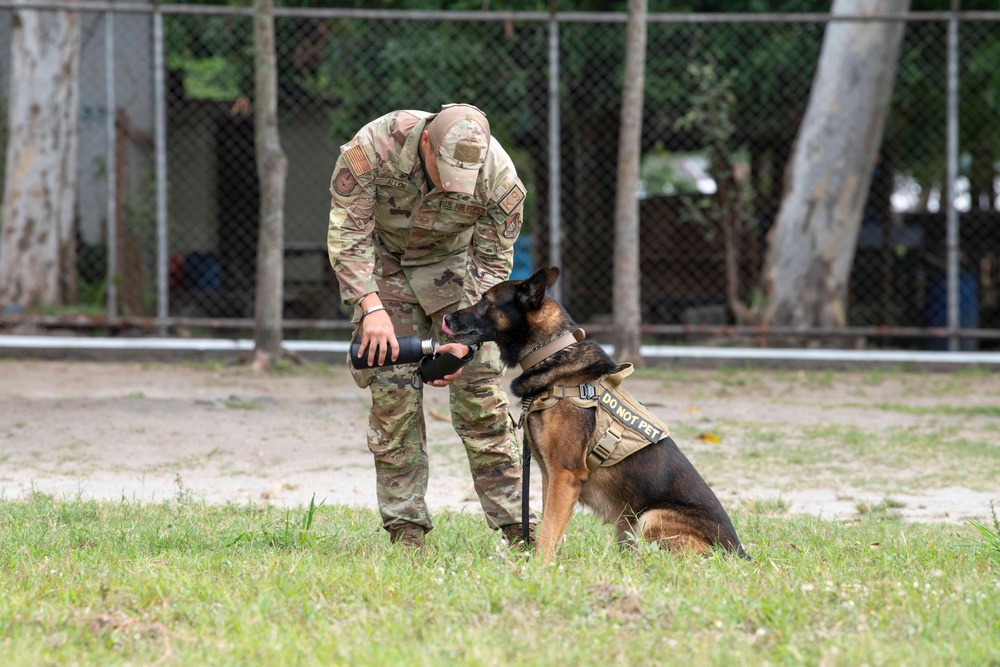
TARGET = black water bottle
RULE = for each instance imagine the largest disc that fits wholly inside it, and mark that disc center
(411, 350)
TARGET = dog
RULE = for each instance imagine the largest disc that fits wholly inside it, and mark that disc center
(655, 492)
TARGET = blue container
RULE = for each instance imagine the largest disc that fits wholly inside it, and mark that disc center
(202, 272)
(936, 305)
(522, 258)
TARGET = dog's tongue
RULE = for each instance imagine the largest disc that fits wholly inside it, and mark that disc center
(445, 328)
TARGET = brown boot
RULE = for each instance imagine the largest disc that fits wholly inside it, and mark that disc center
(406, 534)
(513, 535)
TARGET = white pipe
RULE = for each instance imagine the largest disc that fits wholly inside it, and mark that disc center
(665, 352)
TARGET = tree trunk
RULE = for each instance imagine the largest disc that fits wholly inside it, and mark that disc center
(272, 167)
(627, 318)
(38, 240)
(812, 244)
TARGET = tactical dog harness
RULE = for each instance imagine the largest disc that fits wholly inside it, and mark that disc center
(624, 425)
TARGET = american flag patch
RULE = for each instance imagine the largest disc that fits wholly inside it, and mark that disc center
(359, 161)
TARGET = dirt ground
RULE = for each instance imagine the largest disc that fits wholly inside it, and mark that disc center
(215, 432)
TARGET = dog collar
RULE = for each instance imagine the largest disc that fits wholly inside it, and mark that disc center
(547, 350)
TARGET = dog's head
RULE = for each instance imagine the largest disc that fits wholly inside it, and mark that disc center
(514, 313)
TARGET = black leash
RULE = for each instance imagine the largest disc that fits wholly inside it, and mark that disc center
(525, 486)
(525, 472)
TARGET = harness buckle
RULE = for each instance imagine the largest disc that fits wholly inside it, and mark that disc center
(602, 450)
(588, 391)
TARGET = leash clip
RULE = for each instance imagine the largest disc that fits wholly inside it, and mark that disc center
(525, 407)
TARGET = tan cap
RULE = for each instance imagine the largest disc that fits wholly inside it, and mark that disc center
(460, 137)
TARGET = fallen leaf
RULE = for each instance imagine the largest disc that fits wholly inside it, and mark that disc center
(709, 437)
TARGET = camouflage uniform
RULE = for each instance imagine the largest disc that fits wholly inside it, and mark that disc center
(427, 253)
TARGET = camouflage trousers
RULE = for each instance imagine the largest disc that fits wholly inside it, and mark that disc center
(397, 435)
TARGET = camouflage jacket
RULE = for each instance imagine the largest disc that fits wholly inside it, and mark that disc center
(386, 217)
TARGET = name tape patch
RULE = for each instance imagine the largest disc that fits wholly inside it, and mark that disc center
(462, 207)
(621, 412)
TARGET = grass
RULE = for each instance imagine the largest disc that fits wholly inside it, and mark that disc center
(803, 456)
(183, 582)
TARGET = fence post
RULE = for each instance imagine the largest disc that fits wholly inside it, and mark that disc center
(111, 163)
(160, 130)
(954, 321)
(555, 167)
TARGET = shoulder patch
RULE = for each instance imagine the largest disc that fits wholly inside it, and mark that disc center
(512, 226)
(512, 199)
(360, 164)
(344, 182)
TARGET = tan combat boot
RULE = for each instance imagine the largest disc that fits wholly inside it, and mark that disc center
(406, 534)
(513, 535)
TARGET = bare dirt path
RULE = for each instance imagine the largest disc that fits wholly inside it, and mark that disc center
(835, 444)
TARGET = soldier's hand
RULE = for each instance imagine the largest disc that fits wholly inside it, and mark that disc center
(378, 335)
(459, 351)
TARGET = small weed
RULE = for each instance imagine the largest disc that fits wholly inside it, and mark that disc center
(286, 534)
(184, 495)
(991, 535)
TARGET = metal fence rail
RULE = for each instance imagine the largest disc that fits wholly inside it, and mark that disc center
(167, 195)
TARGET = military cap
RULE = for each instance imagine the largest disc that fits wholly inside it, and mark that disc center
(460, 138)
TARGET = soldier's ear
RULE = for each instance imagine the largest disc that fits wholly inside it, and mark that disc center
(532, 290)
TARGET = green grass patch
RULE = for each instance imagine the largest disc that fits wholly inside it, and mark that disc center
(237, 404)
(182, 582)
(950, 410)
(809, 455)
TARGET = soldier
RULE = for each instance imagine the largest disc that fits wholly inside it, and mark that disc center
(425, 212)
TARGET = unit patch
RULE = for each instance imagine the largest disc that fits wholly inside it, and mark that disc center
(512, 225)
(621, 412)
(360, 164)
(344, 182)
(512, 199)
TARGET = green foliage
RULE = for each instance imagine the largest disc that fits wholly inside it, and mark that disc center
(404, 69)
(213, 78)
(214, 53)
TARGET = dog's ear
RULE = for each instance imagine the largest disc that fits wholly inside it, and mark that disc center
(532, 290)
(551, 273)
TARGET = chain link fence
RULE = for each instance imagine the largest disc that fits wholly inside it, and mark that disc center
(723, 101)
